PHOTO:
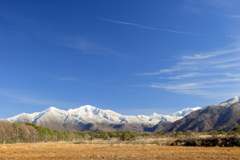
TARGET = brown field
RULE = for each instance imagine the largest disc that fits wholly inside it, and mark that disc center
(63, 150)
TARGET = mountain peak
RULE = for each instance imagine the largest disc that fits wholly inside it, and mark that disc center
(185, 111)
(231, 100)
(88, 107)
(84, 108)
(52, 109)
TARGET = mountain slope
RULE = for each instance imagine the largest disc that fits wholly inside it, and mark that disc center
(158, 127)
(224, 116)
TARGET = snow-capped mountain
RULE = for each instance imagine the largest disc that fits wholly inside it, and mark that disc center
(91, 116)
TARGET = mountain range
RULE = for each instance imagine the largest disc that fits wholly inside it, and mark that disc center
(223, 116)
(90, 118)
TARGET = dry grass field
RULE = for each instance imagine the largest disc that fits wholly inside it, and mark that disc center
(62, 150)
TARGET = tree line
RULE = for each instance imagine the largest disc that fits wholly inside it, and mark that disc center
(31, 133)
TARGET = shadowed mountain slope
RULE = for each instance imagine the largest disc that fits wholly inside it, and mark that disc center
(224, 116)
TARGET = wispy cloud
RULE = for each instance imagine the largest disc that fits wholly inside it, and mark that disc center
(68, 79)
(197, 85)
(147, 27)
(21, 96)
(229, 65)
(188, 75)
(184, 86)
(184, 89)
(176, 68)
(226, 10)
(23, 99)
(88, 47)
(233, 36)
(232, 75)
(226, 60)
(203, 61)
(234, 16)
(213, 88)
(205, 74)
(212, 54)
(196, 56)
(229, 9)
(192, 75)
(159, 72)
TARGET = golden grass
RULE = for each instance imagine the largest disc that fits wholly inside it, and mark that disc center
(63, 150)
(141, 140)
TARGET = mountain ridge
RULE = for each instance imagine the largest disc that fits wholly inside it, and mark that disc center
(92, 116)
(223, 116)
(91, 111)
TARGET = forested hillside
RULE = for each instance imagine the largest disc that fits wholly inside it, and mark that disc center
(30, 133)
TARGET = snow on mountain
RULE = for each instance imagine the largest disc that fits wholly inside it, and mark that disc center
(156, 118)
(4, 120)
(185, 112)
(24, 117)
(90, 114)
(230, 101)
(51, 114)
(93, 114)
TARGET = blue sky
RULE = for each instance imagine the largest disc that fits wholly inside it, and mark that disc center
(133, 57)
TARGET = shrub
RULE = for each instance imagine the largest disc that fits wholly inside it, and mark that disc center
(91, 138)
(144, 134)
(236, 129)
(222, 132)
(83, 134)
(133, 136)
(214, 133)
(189, 133)
(124, 136)
(161, 133)
(177, 134)
(236, 135)
(112, 134)
(229, 133)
